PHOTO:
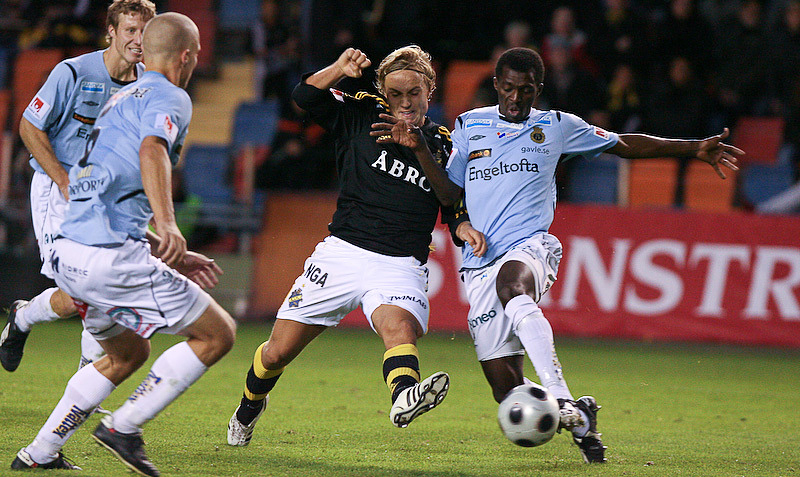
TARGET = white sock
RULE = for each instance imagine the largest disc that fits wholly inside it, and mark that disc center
(90, 349)
(580, 431)
(38, 310)
(172, 373)
(536, 335)
(85, 391)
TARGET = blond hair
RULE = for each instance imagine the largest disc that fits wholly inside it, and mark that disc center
(145, 8)
(409, 57)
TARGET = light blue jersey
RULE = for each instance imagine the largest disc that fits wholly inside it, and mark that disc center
(107, 204)
(70, 101)
(507, 171)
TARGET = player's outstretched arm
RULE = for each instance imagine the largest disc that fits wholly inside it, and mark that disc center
(710, 150)
(350, 64)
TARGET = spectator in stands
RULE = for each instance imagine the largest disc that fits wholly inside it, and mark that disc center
(517, 33)
(624, 100)
(276, 45)
(682, 32)
(618, 37)
(565, 34)
(11, 24)
(55, 26)
(569, 87)
(785, 57)
(678, 108)
(390, 24)
(742, 63)
(301, 156)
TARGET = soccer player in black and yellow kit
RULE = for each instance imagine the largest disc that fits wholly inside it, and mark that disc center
(379, 236)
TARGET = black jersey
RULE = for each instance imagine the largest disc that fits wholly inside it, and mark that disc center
(386, 204)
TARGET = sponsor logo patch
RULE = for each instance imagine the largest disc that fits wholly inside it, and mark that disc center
(600, 132)
(545, 120)
(503, 134)
(511, 125)
(476, 137)
(83, 119)
(479, 153)
(92, 87)
(163, 121)
(478, 122)
(39, 107)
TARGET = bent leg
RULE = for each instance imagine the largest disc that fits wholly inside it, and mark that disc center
(211, 336)
(503, 374)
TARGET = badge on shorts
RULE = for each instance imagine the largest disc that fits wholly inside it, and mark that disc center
(295, 297)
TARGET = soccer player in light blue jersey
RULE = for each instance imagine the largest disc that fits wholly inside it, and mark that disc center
(504, 160)
(101, 257)
(55, 128)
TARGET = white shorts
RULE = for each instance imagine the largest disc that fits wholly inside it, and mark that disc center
(339, 277)
(126, 287)
(48, 208)
(492, 331)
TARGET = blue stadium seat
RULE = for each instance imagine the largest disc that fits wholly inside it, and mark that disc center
(761, 182)
(593, 181)
(238, 15)
(205, 173)
(255, 123)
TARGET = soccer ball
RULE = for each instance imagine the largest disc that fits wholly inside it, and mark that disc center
(528, 415)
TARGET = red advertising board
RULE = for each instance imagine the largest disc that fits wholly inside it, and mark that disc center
(655, 275)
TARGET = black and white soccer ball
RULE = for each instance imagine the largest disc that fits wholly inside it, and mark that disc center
(528, 415)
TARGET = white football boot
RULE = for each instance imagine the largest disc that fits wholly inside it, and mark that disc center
(238, 433)
(419, 398)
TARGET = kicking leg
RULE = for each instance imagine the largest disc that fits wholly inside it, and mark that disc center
(287, 340)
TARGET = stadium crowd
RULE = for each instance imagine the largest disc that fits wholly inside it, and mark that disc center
(677, 68)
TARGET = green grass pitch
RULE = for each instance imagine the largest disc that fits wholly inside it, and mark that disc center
(669, 410)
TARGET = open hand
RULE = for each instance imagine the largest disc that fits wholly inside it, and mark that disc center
(397, 131)
(715, 152)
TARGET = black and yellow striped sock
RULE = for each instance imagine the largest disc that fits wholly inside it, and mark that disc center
(259, 383)
(401, 368)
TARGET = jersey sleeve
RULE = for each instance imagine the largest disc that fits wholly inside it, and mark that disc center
(457, 163)
(583, 139)
(339, 112)
(49, 103)
(167, 116)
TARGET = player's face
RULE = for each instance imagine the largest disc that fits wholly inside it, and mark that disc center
(126, 39)
(516, 92)
(407, 94)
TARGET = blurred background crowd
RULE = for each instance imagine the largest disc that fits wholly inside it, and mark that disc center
(680, 68)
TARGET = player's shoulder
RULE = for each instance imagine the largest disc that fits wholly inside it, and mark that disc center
(88, 64)
(362, 98)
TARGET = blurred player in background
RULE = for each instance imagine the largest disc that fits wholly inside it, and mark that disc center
(504, 160)
(380, 235)
(101, 257)
(55, 128)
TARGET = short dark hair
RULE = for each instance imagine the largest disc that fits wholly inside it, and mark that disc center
(522, 60)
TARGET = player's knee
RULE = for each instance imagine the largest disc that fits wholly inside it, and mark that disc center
(274, 356)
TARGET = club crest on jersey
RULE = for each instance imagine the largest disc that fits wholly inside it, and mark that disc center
(479, 153)
(39, 107)
(295, 297)
(537, 135)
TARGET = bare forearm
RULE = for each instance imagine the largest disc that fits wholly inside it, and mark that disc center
(634, 146)
(326, 77)
(38, 144)
(446, 191)
(156, 179)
